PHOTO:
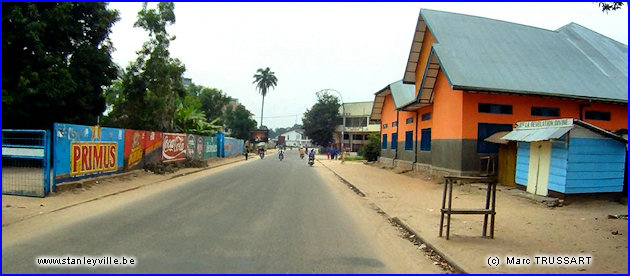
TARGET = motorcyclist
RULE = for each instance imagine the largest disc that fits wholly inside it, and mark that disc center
(281, 153)
(302, 151)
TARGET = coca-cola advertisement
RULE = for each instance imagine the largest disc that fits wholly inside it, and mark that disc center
(174, 147)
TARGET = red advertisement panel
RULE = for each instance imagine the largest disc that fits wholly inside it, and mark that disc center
(173, 147)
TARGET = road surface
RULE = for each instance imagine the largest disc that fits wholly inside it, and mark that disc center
(259, 216)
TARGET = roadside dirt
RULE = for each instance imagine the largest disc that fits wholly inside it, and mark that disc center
(524, 227)
(397, 252)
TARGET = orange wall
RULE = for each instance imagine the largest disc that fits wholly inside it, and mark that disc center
(388, 116)
(447, 110)
(521, 111)
(428, 123)
(403, 126)
(425, 50)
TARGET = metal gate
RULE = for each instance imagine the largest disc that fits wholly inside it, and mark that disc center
(25, 162)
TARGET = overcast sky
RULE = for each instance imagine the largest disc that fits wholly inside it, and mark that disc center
(354, 48)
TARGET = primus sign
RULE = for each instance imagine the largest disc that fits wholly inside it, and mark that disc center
(93, 157)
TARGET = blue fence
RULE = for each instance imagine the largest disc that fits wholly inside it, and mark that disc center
(25, 162)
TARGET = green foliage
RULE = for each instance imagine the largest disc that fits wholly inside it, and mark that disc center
(152, 84)
(193, 121)
(610, 6)
(213, 101)
(264, 79)
(56, 57)
(372, 148)
(320, 120)
(238, 122)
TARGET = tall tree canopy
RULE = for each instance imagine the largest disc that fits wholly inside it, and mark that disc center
(320, 120)
(152, 84)
(264, 79)
(238, 122)
(56, 59)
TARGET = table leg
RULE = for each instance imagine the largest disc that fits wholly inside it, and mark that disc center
(485, 216)
(494, 193)
(450, 200)
(443, 205)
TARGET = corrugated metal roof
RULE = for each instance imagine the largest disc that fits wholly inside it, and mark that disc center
(497, 138)
(484, 54)
(402, 93)
(357, 108)
(537, 134)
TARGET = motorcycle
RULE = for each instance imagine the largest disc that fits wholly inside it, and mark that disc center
(311, 160)
(301, 155)
(281, 156)
(262, 154)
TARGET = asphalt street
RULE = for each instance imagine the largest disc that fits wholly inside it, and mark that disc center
(264, 216)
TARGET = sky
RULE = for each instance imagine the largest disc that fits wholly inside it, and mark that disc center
(353, 48)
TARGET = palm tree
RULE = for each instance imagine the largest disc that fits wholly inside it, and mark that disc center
(264, 79)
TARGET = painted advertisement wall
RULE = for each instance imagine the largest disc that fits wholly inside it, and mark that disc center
(194, 147)
(210, 149)
(141, 147)
(233, 146)
(173, 147)
(81, 151)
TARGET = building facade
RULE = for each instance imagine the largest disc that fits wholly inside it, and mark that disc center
(357, 125)
(473, 77)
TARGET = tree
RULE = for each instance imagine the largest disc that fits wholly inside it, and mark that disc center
(213, 101)
(264, 79)
(610, 6)
(56, 59)
(320, 120)
(152, 84)
(372, 148)
(238, 122)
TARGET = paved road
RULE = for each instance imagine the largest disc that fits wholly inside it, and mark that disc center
(264, 216)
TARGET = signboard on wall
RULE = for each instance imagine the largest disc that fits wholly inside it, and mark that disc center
(210, 147)
(142, 147)
(194, 147)
(81, 151)
(259, 135)
(173, 147)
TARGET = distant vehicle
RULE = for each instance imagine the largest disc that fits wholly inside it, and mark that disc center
(281, 141)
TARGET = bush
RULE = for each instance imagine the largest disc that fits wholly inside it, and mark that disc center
(372, 149)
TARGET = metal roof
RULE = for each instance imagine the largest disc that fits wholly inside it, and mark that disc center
(403, 94)
(356, 108)
(537, 134)
(482, 54)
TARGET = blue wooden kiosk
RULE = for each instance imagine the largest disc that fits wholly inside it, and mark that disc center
(568, 156)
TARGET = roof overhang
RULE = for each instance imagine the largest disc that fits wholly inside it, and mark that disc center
(545, 130)
(425, 96)
(379, 100)
(414, 52)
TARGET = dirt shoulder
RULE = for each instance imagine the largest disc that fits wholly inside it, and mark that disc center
(524, 228)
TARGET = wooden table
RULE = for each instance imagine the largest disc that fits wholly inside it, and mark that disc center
(489, 209)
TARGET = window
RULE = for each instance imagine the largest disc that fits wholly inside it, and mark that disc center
(384, 126)
(597, 115)
(426, 116)
(357, 137)
(409, 120)
(425, 139)
(394, 123)
(356, 122)
(384, 142)
(409, 140)
(545, 111)
(486, 130)
(394, 141)
(495, 108)
(346, 136)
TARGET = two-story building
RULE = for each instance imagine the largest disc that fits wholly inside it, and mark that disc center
(358, 125)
